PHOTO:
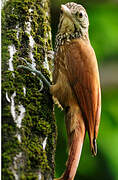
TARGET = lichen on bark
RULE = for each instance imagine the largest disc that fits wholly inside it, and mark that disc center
(28, 124)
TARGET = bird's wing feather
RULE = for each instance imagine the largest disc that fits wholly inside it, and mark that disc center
(83, 76)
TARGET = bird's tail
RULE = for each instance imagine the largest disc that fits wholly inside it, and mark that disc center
(76, 140)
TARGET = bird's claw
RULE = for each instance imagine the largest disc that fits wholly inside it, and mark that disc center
(51, 54)
(41, 84)
(30, 67)
(28, 64)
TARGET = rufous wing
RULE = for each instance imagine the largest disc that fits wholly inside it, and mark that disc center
(83, 75)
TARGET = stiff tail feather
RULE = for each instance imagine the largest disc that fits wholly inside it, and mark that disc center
(74, 154)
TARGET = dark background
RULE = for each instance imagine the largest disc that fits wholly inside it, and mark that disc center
(103, 31)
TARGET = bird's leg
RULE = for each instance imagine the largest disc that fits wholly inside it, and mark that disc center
(32, 69)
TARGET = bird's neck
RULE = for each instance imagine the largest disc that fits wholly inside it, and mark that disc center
(61, 38)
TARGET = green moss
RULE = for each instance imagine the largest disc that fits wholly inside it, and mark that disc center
(38, 122)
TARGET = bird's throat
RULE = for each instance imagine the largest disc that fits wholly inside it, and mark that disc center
(61, 38)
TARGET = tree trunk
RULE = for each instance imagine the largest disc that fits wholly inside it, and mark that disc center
(28, 124)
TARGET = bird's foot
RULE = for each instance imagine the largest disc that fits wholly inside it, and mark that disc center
(32, 69)
(29, 66)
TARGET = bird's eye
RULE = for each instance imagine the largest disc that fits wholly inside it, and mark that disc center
(80, 15)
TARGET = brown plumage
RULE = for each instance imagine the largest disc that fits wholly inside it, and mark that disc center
(76, 83)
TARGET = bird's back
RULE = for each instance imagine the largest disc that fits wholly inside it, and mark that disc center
(83, 76)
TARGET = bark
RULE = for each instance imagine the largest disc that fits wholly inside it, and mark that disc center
(28, 124)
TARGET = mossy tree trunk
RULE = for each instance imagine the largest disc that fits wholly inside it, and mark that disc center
(28, 124)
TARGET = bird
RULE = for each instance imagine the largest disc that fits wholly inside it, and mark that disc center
(76, 83)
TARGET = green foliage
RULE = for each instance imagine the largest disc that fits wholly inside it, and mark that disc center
(103, 30)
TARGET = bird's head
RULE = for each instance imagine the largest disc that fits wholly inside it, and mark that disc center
(73, 19)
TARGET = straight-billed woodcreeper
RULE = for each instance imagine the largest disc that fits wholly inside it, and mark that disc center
(76, 84)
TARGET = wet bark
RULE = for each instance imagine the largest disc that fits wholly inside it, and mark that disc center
(28, 124)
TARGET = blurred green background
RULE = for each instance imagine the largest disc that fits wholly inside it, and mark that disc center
(103, 31)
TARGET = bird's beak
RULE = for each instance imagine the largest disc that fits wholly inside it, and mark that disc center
(66, 11)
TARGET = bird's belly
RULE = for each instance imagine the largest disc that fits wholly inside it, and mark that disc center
(62, 90)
